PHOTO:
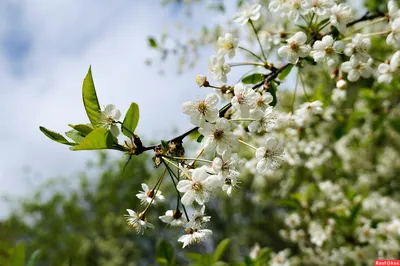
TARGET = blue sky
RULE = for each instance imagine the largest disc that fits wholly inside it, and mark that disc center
(46, 48)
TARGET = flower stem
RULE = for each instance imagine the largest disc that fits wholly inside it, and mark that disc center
(160, 179)
(368, 24)
(246, 64)
(168, 161)
(171, 174)
(258, 40)
(250, 52)
(194, 159)
(243, 120)
(247, 144)
(294, 93)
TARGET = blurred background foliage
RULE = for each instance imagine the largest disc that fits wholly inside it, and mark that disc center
(84, 224)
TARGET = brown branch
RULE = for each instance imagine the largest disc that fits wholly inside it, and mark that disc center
(365, 17)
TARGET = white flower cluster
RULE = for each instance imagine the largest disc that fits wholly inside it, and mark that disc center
(311, 138)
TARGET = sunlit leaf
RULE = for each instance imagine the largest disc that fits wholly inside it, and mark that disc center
(90, 100)
(253, 78)
(131, 120)
(220, 249)
(57, 137)
(98, 139)
(285, 72)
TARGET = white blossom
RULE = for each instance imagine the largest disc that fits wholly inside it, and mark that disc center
(218, 136)
(295, 48)
(327, 50)
(137, 221)
(200, 111)
(225, 166)
(293, 220)
(280, 259)
(244, 99)
(227, 45)
(269, 156)
(317, 233)
(341, 15)
(264, 120)
(173, 218)
(387, 70)
(276, 6)
(394, 36)
(358, 48)
(199, 188)
(338, 95)
(357, 69)
(198, 219)
(248, 13)
(146, 196)
(393, 9)
(108, 119)
(319, 7)
(194, 236)
(304, 115)
(218, 68)
(294, 9)
(263, 100)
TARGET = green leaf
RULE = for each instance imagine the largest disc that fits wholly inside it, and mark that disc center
(162, 261)
(253, 78)
(272, 89)
(90, 101)
(75, 135)
(200, 138)
(240, 3)
(285, 72)
(57, 137)
(98, 139)
(17, 256)
(34, 257)
(323, 22)
(165, 252)
(220, 249)
(310, 60)
(152, 42)
(82, 128)
(131, 120)
(395, 124)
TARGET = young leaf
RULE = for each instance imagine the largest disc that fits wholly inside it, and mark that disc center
(285, 72)
(34, 257)
(253, 78)
(152, 42)
(57, 137)
(165, 253)
(272, 89)
(75, 135)
(131, 120)
(220, 249)
(200, 138)
(89, 96)
(82, 128)
(98, 139)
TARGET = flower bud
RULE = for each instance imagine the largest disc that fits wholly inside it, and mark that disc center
(202, 81)
(341, 84)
